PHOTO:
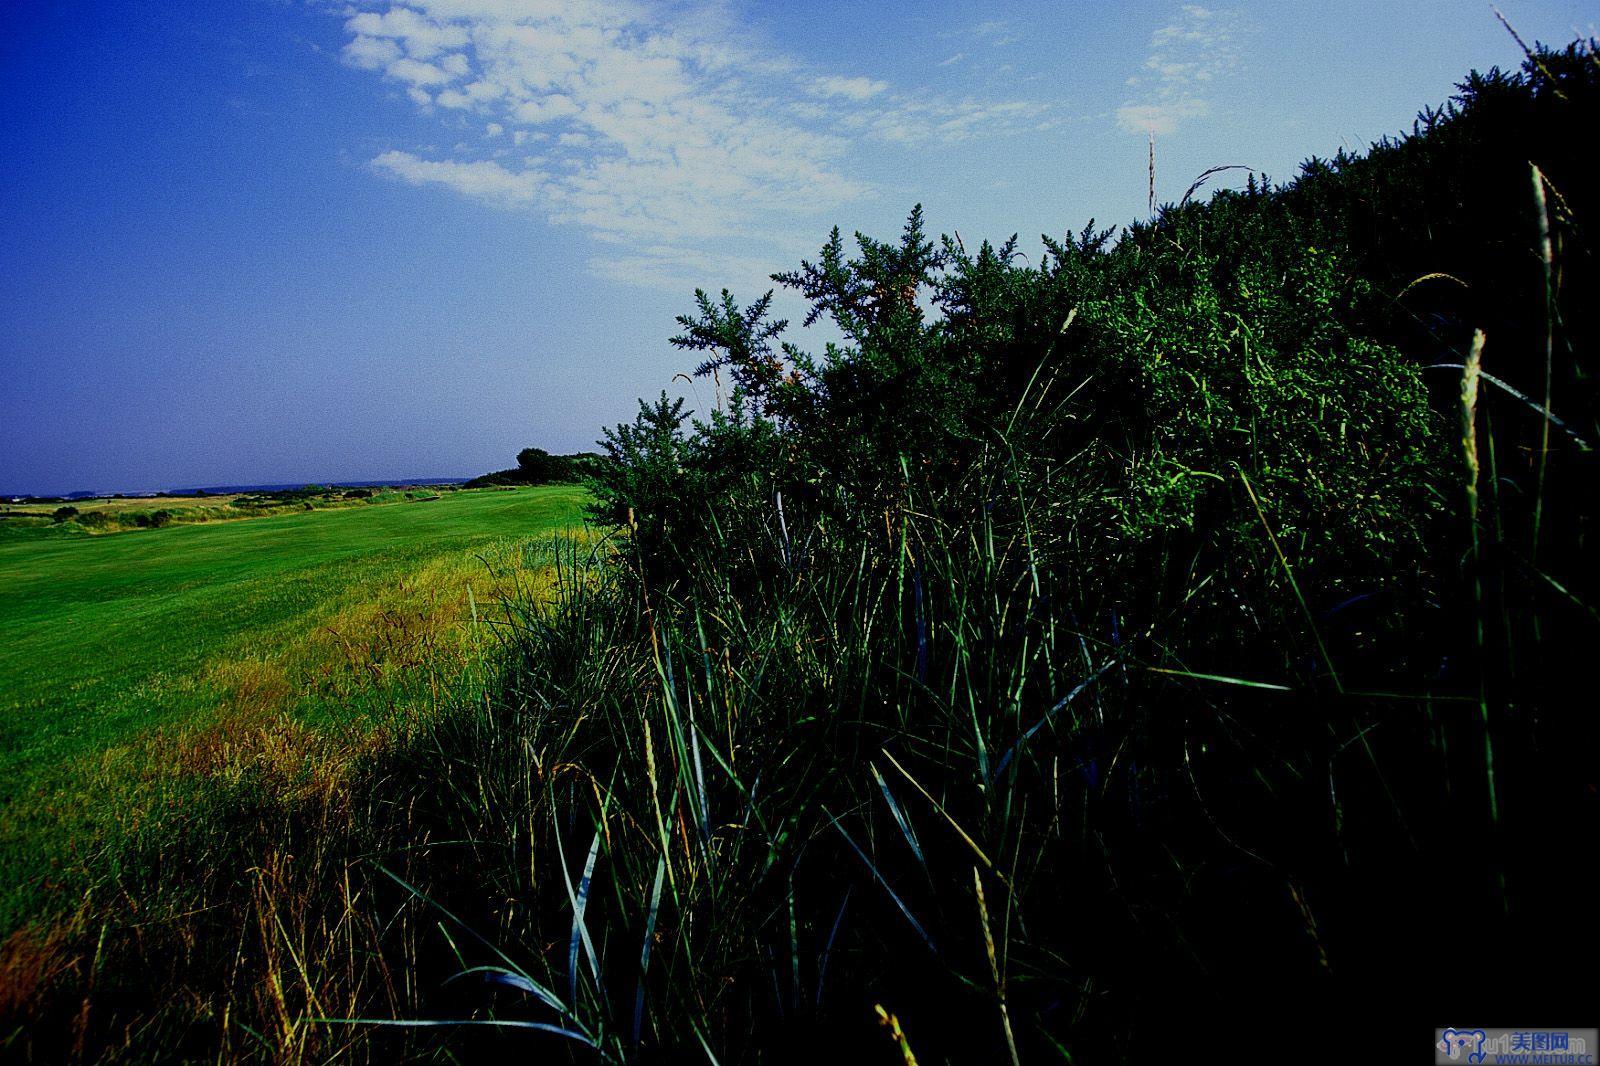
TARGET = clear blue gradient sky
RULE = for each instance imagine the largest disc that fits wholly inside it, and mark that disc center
(299, 240)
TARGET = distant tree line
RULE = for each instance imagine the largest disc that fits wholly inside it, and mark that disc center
(535, 466)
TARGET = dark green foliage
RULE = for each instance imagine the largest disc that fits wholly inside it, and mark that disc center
(61, 514)
(304, 492)
(281, 497)
(1146, 563)
(535, 466)
(1142, 391)
(646, 461)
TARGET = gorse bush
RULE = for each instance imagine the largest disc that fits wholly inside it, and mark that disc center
(1124, 406)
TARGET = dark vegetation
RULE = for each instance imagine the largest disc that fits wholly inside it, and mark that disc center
(301, 496)
(535, 466)
(1174, 635)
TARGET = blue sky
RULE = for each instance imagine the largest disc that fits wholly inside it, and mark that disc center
(298, 240)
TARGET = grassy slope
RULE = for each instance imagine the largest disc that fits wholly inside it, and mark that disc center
(113, 643)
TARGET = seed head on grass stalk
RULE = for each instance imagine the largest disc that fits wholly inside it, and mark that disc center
(1470, 373)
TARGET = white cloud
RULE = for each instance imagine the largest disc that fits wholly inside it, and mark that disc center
(371, 53)
(416, 72)
(538, 111)
(850, 88)
(1161, 117)
(424, 38)
(916, 122)
(674, 135)
(667, 266)
(1185, 57)
(483, 180)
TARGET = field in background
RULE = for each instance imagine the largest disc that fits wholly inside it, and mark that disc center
(136, 663)
(122, 503)
(32, 519)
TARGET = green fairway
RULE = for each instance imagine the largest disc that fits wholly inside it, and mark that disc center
(109, 641)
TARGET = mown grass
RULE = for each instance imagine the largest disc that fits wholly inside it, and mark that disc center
(122, 652)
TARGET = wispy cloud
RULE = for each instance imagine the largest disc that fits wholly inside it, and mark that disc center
(1185, 58)
(914, 122)
(673, 136)
(998, 33)
(482, 179)
(850, 88)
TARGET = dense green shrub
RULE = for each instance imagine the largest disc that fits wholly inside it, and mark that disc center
(535, 466)
(1132, 401)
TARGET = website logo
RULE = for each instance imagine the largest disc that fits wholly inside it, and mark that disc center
(1529, 1047)
(1459, 1043)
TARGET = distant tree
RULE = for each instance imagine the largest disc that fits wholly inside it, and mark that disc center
(535, 466)
(63, 513)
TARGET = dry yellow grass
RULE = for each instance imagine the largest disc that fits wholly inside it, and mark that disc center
(128, 503)
(395, 648)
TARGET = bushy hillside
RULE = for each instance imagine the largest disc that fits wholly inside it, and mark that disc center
(1124, 640)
